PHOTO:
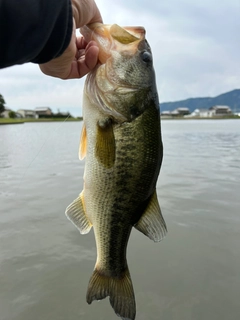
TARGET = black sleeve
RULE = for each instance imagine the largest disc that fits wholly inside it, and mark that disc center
(33, 30)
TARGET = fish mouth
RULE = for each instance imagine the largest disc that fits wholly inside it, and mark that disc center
(111, 38)
(104, 83)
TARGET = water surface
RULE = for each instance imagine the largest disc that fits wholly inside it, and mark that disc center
(45, 264)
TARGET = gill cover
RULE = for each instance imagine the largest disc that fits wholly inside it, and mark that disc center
(124, 79)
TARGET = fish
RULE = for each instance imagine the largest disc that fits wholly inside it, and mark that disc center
(122, 146)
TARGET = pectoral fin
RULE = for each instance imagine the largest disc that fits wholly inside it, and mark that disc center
(75, 212)
(151, 222)
(105, 143)
(83, 143)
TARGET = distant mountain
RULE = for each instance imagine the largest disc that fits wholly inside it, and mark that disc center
(230, 99)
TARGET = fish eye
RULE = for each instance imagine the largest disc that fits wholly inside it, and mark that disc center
(146, 56)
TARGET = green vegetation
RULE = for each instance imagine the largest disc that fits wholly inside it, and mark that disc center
(50, 119)
(2, 104)
(10, 121)
(12, 114)
(22, 120)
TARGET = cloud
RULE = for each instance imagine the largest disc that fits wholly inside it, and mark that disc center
(195, 47)
(26, 87)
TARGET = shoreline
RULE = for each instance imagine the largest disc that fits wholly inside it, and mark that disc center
(198, 118)
(5, 121)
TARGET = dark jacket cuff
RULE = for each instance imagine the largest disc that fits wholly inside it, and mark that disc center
(59, 38)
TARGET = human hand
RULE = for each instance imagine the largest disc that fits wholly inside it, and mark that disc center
(79, 57)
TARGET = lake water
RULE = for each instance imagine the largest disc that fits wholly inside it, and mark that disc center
(45, 264)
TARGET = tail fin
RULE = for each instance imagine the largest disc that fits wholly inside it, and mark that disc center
(119, 290)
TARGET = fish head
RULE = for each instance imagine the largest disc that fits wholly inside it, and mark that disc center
(124, 80)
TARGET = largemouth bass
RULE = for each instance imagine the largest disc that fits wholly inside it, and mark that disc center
(121, 140)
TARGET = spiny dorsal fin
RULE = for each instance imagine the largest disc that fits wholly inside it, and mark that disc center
(151, 222)
(75, 212)
(83, 143)
(105, 143)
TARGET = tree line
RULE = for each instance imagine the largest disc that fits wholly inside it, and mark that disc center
(2, 103)
(11, 114)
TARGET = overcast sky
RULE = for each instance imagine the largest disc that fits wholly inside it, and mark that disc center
(195, 44)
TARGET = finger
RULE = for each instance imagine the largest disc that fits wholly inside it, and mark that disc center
(87, 62)
(81, 43)
(91, 55)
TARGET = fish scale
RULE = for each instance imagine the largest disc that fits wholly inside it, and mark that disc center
(121, 140)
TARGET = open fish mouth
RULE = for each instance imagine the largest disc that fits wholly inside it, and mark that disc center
(111, 38)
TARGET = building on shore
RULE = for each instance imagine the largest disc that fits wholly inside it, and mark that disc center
(43, 111)
(37, 113)
(5, 113)
(166, 114)
(220, 111)
(179, 112)
(26, 113)
(215, 111)
(200, 113)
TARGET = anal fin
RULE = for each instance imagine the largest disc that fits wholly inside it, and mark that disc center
(75, 212)
(151, 222)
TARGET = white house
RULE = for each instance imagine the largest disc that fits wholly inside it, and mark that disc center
(199, 113)
(25, 113)
(220, 110)
(180, 112)
(166, 113)
(43, 111)
(5, 113)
